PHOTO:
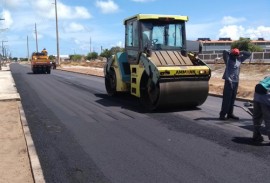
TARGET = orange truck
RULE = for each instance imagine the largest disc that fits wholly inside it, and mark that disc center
(40, 62)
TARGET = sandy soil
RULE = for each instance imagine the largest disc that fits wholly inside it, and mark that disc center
(15, 165)
(250, 75)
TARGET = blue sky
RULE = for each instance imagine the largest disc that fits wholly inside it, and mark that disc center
(102, 21)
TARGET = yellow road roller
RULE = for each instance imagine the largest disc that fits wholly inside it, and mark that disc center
(156, 65)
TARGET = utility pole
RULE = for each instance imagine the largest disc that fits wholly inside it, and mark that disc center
(2, 49)
(57, 36)
(90, 44)
(6, 54)
(27, 50)
(36, 37)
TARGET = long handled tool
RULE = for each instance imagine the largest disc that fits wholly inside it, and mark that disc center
(248, 107)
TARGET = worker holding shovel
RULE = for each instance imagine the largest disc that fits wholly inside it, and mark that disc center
(261, 109)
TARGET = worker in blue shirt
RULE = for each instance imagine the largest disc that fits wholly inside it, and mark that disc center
(233, 60)
(261, 109)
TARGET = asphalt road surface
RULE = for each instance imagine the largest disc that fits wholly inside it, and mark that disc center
(82, 135)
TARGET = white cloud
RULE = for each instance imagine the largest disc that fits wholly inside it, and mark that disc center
(232, 31)
(228, 20)
(119, 43)
(235, 32)
(107, 6)
(77, 41)
(74, 27)
(8, 19)
(46, 9)
(13, 3)
(143, 1)
(260, 31)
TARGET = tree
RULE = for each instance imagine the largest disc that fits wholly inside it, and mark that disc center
(23, 59)
(116, 49)
(246, 45)
(75, 57)
(92, 55)
(51, 57)
(106, 53)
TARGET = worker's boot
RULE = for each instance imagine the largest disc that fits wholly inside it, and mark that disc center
(257, 136)
(222, 118)
(232, 116)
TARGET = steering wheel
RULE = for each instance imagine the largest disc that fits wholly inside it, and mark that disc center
(154, 41)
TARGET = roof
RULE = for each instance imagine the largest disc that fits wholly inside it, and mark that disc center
(157, 16)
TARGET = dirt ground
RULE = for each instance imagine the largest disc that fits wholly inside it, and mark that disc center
(250, 75)
(14, 166)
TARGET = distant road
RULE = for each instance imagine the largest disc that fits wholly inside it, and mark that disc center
(82, 135)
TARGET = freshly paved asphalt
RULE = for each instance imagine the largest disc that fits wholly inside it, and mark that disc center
(81, 135)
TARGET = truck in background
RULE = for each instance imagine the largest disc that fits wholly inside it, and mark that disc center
(40, 62)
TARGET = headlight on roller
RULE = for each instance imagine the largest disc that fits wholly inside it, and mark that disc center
(202, 72)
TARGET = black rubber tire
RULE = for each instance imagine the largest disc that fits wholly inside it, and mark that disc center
(34, 71)
(48, 70)
(110, 82)
(149, 93)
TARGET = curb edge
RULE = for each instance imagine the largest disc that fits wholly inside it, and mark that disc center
(36, 169)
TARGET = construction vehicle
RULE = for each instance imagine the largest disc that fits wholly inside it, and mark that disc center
(40, 62)
(156, 66)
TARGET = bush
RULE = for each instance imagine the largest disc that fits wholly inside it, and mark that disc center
(246, 45)
(92, 56)
(75, 57)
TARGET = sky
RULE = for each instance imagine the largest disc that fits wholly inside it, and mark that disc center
(92, 25)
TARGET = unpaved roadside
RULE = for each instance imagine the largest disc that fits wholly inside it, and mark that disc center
(14, 160)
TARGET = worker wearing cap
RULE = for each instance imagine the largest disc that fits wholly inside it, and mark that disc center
(261, 109)
(233, 60)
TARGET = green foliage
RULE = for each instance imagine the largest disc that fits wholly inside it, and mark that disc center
(75, 57)
(116, 49)
(255, 48)
(246, 45)
(92, 56)
(51, 57)
(106, 53)
(24, 59)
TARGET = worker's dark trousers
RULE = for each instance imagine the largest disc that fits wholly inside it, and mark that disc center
(261, 113)
(229, 96)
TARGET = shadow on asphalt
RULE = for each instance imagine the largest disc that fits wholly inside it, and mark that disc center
(127, 101)
(248, 141)
(223, 121)
(31, 73)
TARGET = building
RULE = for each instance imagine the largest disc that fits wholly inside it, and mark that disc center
(217, 46)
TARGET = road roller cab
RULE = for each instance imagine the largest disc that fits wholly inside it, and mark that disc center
(156, 66)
